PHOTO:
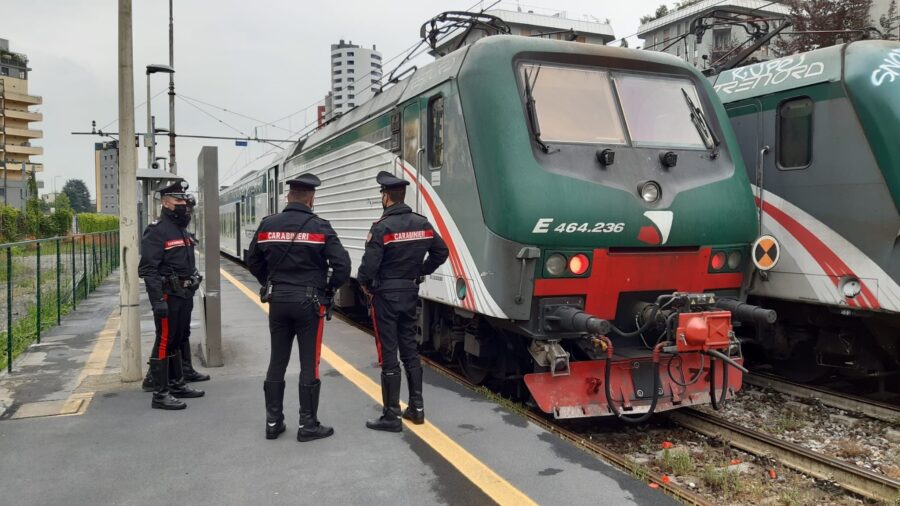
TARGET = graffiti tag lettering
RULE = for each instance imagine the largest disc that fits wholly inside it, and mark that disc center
(771, 72)
(889, 70)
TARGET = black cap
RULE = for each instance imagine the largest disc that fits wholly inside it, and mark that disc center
(304, 182)
(388, 180)
(178, 189)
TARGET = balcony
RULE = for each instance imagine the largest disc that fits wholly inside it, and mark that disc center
(26, 115)
(15, 165)
(26, 99)
(22, 132)
(14, 149)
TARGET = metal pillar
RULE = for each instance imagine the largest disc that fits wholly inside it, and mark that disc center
(208, 174)
(172, 167)
(130, 327)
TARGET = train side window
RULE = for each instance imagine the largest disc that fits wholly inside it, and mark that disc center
(436, 132)
(795, 133)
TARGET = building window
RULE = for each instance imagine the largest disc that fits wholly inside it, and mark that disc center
(4, 71)
(374, 89)
(351, 88)
(338, 97)
(376, 81)
(351, 96)
(376, 57)
(436, 132)
(351, 104)
(795, 133)
(349, 53)
(338, 72)
(376, 65)
(337, 63)
(351, 62)
(338, 80)
(350, 71)
(338, 88)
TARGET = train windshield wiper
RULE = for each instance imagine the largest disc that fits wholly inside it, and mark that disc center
(702, 125)
(531, 110)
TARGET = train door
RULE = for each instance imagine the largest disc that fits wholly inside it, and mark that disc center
(748, 124)
(272, 190)
(237, 228)
(413, 149)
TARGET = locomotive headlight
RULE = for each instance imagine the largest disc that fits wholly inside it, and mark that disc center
(556, 264)
(650, 192)
(734, 260)
(579, 264)
(850, 287)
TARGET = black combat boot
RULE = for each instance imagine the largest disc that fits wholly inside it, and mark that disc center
(177, 386)
(274, 391)
(187, 366)
(147, 384)
(161, 397)
(415, 411)
(390, 396)
(310, 428)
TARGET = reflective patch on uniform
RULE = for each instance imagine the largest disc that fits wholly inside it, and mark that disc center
(302, 237)
(369, 237)
(412, 235)
(174, 243)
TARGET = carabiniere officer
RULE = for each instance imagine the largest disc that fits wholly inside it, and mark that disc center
(392, 268)
(168, 267)
(290, 255)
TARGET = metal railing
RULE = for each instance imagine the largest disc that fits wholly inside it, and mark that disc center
(45, 279)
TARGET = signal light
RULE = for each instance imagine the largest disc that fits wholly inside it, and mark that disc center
(556, 264)
(718, 261)
(734, 260)
(579, 264)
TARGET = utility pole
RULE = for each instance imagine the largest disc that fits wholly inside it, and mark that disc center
(3, 134)
(129, 328)
(172, 168)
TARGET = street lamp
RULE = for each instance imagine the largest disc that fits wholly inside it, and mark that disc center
(54, 182)
(150, 140)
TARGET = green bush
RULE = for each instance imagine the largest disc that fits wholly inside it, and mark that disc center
(12, 224)
(93, 222)
(61, 222)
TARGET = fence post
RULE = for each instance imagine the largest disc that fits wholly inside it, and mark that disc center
(58, 283)
(74, 278)
(9, 326)
(84, 264)
(38, 315)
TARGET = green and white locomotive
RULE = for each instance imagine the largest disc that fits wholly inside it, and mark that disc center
(597, 212)
(819, 134)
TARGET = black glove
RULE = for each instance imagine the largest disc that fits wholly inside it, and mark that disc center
(420, 280)
(160, 308)
(328, 302)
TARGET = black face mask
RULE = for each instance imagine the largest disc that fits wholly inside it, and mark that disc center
(179, 215)
(383, 202)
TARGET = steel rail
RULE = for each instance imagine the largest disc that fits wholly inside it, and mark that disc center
(873, 409)
(849, 477)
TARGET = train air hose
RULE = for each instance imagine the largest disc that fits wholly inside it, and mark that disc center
(608, 374)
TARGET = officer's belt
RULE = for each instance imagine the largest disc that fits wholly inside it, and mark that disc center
(391, 283)
(309, 291)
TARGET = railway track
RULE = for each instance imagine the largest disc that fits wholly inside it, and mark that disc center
(683, 494)
(873, 409)
(849, 477)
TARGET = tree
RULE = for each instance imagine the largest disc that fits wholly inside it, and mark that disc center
(661, 11)
(887, 19)
(78, 195)
(62, 215)
(829, 19)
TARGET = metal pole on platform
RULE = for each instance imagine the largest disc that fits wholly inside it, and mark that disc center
(58, 282)
(130, 327)
(38, 282)
(172, 167)
(208, 174)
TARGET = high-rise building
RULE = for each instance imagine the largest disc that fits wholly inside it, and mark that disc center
(16, 136)
(355, 76)
(106, 172)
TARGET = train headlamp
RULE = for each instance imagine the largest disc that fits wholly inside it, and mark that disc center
(650, 192)
(734, 260)
(718, 260)
(556, 264)
(850, 287)
(579, 264)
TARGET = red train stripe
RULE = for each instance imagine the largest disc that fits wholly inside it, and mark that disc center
(833, 266)
(455, 262)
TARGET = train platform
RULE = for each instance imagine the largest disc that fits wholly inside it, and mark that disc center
(70, 432)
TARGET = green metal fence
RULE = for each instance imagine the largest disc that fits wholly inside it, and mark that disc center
(44, 279)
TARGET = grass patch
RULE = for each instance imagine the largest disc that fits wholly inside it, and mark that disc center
(788, 421)
(677, 462)
(851, 449)
(721, 481)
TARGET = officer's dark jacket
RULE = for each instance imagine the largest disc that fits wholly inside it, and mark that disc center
(396, 248)
(166, 250)
(314, 250)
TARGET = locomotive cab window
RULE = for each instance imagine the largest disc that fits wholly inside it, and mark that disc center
(795, 133)
(571, 104)
(657, 112)
(436, 132)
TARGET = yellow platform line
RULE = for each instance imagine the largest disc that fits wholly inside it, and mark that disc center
(77, 403)
(476, 471)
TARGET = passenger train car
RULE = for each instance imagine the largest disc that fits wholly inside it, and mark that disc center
(819, 134)
(596, 209)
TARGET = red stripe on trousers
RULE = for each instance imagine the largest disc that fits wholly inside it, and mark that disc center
(377, 339)
(164, 337)
(319, 338)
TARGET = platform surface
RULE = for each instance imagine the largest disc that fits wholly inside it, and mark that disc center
(71, 433)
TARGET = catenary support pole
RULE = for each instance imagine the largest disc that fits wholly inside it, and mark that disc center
(173, 168)
(130, 327)
(208, 174)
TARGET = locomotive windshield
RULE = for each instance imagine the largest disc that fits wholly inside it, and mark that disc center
(579, 105)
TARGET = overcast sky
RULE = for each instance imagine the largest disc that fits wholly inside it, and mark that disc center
(265, 59)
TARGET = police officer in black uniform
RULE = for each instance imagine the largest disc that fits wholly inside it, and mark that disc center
(169, 271)
(392, 267)
(290, 256)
